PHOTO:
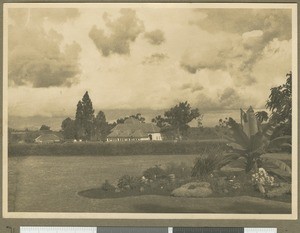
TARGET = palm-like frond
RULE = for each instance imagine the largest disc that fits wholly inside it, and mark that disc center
(280, 164)
(238, 134)
(279, 141)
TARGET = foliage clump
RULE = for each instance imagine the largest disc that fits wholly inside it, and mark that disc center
(176, 119)
(106, 186)
(127, 182)
(154, 173)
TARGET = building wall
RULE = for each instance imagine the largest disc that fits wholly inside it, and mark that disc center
(156, 136)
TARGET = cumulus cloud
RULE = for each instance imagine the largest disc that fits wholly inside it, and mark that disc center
(274, 22)
(192, 87)
(155, 59)
(36, 16)
(155, 37)
(230, 98)
(227, 98)
(123, 31)
(206, 102)
(248, 36)
(202, 58)
(37, 57)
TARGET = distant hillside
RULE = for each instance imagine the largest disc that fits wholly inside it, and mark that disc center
(210, 118)
(34, 122)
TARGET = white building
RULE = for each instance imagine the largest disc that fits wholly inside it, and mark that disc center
(133, 130)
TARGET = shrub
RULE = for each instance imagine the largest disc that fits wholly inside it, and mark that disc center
(211, 160)
(179, 170)
(154, 173)
(114, 148)
(231, 184)
(127, 182)
(106, 186)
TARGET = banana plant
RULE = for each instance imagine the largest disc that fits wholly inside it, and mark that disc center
(250, 141)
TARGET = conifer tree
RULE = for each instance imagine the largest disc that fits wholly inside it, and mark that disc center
(79, 121)
(88, 116)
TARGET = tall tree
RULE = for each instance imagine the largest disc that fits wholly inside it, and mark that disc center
(177, 118)
(68, 128)
(280, 103)
(79, 121)
(101, 127)
(84, 118)
(160, 122)
(88, 115)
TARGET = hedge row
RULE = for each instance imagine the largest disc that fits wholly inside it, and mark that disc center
(115, 148)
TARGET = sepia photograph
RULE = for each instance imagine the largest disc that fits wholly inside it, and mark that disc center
(150, 111)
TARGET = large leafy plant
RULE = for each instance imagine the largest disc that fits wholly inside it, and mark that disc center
(251, 141)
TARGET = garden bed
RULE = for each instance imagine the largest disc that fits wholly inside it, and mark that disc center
(157, 182)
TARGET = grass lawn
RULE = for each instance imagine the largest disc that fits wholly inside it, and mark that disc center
(51, 184)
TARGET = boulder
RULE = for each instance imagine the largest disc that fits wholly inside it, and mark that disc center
(193, 189)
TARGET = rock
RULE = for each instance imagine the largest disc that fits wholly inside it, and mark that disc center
(193, 189)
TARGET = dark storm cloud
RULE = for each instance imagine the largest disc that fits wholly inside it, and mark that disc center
(155, 37)
(35, 57)
(254, 29)
(123, 31)
(155, 59)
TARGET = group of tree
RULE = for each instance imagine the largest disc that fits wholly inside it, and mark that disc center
(45, 128)
(86, 126)
(137, 116)
(280, 105)
(175, 120)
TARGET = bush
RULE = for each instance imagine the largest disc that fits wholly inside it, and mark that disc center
(115, 148)
(154, 173)
(211, 160)
(231, 184)
(127, 182)
(106, 186)
(179, 170)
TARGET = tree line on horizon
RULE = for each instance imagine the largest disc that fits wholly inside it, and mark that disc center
(87, 126)
(174, 122)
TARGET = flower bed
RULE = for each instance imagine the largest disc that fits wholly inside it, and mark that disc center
(175, 180)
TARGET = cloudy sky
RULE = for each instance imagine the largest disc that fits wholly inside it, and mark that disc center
(144, 57)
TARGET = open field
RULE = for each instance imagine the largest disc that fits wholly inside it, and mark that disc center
(51, 183)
